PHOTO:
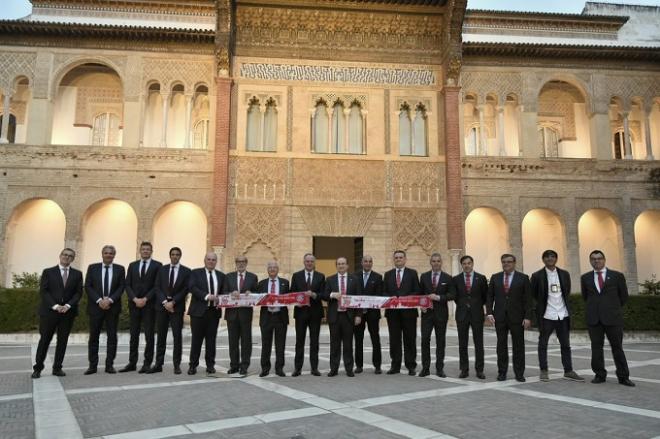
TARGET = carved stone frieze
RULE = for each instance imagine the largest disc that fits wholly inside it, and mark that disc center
(252, 178)
(497, 83)
(416, 227)
(15, 64)
(417, 182)
(338, 221)
(258, 224)
(167, 71)
(627, 87)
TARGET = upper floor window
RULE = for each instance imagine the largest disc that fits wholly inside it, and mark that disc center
(549, 141)
(201, 134)
(10, 135)
(261, 125)
(472, 141)
(106, 130)
(339, 130)
(413, 130)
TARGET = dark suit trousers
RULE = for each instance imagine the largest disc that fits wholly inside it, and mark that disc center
(142, 318)
(239, 332)
(399, 326)
(341, 341)
(111, 320)
(562, 328)
(373, 324)
(314, 325)
(204, 329)
(48, 326)
(164, 320)
(614, 335)
(502, 330)
(478, 339)
(432, 323)
(272, 326)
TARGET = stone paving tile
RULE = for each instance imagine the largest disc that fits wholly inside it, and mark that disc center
(496, 414)
(16, 419)
(15, 363)
(13, 351)
(11, 384)
(114, 412)
(652, 372)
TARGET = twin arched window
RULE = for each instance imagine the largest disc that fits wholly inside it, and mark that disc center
(261, 125)
(339, 130)
(413, 136)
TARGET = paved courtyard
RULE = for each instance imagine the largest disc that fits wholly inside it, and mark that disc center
(367, 406)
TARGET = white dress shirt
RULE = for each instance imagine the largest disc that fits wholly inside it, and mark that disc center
(277, 291)
(604, 273)
(208, 285)
(556, 308)
(103, 271)
(68, 272)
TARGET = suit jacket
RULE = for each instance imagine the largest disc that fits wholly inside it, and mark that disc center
(471, 305)
(250, 283)
(283, 313)
(94, 287)
(54, 292)
(605, 307)
(445, 289)
(198, 287)
(141, 287)
(178, 292)
(409, 287)
(299, 283)
(513, 307)
(353, 288)
(374, 287)
(539, 282)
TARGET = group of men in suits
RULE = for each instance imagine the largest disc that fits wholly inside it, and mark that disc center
(156, 296)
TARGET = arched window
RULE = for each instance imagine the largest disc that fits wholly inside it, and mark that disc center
(106, 130)
(412, 130)
(270, 126)
(619, 145)
(405, 130)
(320, 127)
(472, 141)
(253, 138)
(11, 128)
(338, 128)
(355, 129)
(261, 125)
(201, 134)
(549, 141)
(419, 131)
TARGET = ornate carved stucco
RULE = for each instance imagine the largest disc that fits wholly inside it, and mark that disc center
(416, 227)
(168, 71)
(15, 64)
(258, 224)
(338, 220)
(498, 83)
(627, 87)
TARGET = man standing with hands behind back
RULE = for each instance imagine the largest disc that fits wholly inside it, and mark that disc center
(372, 285)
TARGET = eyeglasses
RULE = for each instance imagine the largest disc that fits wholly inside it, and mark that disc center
(68, 255)
(508, 261)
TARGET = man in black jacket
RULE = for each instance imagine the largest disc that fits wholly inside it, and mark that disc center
(60, 290)
(104, 284)
(372, 285)
(551, 287)
(471, 295)
(140, 280)
(605, 292)
(239, 320)
(273, 321)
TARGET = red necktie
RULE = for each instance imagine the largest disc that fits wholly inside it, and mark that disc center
(601, 281)
(272, 286)
(342, 287)
(398, 278)
(435, 280)
(468, 282)
(241, 282)
(506, 283)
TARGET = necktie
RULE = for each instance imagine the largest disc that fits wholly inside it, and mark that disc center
(171, 278)
(468, 282)
(106, 281)
(65, 275)
(365, 279)
(241, 282)
(398, 278)
(143, 270)
(342, 287)
(506, 283)
(309, 282)
(435, 280)
(601, 281)
(272, 286)
(211, 287)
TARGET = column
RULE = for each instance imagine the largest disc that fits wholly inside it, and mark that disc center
(601, 136)
(131, 130)
(570, 215)
(628, 244)
(500, 130)
(189, 106)
(449, 96)
(483, 146)
(166, 108)
(529, 134)
(5, 117)
(647, 133)
(144, 107)
(626, 136)
(221, 165)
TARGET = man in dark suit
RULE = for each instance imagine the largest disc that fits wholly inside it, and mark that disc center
(273, 321)
(471, 294)
(551, 287)
(439, 286)
(104, 283)
(239, 320)
(313, 283)
(170, 303)
(341, 320)
(509, 306)
(605, 292)
(402, 281)
(60, 290)
(372, 285)
(140, 280)
(205, 285)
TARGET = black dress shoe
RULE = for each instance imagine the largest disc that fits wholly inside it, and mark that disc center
(192, 370)
(464, 374)
(598, 379)
(127, 368)
(264, 373)
(296, 373)
(280, 373)
(210, 370)
(393, 371)
(232, 371)
(424, 373)
(412, 372)
(441, 373)
(155, 369)
(316, 372)
(501, 377)
(520, 379)
(110, 369)
(378, 371)
(36, 374)
(242, 372)
(626, 382)
(349, 373)
(144, 369)
(358, 370)
(332, 373)
(481, 375)
(58, 373)
(177, 370)
(90, 371)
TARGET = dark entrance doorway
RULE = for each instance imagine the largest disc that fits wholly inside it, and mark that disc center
(328, 248)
